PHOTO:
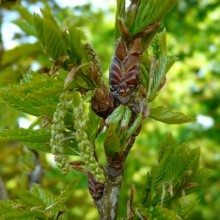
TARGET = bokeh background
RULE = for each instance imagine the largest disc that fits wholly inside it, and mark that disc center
(193, 87)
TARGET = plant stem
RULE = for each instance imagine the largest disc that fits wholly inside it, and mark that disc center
(107, 205)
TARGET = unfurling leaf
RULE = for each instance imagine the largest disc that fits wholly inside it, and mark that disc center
(165, 115)
(120, 127)
(151, 11)
(177, 175)
(112, 139)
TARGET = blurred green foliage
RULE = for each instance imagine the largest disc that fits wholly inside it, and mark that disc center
(192, 87)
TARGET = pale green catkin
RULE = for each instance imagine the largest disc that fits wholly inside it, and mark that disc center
(85, 147)
(94, 59)
(57, 131)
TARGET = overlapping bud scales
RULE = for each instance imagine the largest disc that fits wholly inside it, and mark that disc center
(86, 148)
(124, 71)
(57, 131)
(103, 102)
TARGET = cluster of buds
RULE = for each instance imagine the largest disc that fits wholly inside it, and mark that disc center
(57, 131)
(85, 146)
(124, 80)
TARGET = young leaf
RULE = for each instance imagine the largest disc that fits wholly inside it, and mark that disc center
(165, 115)
(177, 172)
(28, 29)
(21, 214)
(49, 34)
(113, 133)
(25, 13)
(160, 65)
(151, 11)
(25, 135)
(54, 43)
(169, 144)
(36, 95)
(43, 195)
(69, 189)
(186, 209)
(39, 26)
(133, 127)
(73, 38)
(36, 107)
(112, 141)
(162, 213)
(92, 125)
(120, 12)
(30, 199)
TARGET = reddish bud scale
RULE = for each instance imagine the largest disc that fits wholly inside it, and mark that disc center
(95, 188)
(103, 102)
(124, 70)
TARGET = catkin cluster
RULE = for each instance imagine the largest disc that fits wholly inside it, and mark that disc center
(57, 132)
(85, 147)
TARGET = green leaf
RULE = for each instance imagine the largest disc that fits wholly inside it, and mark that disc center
(54, 42)
(74, 37)
(131, 13)
(162, 213)
(37, 204)
(112, 142)
(133, 127)
(159, 171)
(69, 149)
(92, 125)
(30, 199)
(120, 12)
(25, 135)
(25, 13)
(151, 11)
(69, 189)
(177, 171)
(43, 195)
(39, 26)
(165, 115)
(186, 209)
(36, 139)
(38, 146)
(36, 107)
(6, 206)
(37, 94)
(24, 214)
(160, 65)
(169, 144)
(26, 27)
(49, 34)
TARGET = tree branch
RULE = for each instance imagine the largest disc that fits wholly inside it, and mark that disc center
(107, 205)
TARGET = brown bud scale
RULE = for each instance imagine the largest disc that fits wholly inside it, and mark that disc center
(103, 102)
(124, 71)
